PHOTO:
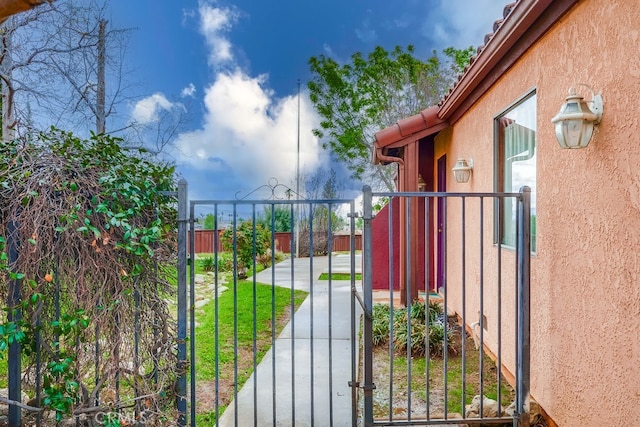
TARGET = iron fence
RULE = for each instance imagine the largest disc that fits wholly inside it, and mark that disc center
(299, 357)
(482, 287)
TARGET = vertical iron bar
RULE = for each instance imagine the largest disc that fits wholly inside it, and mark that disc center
(481, 314)
(354, 344)
(292, 321)
(14, 363)
(464, 302)
(445, 350)
(192, 314)
(181, 385)
(427, 257)
(391, 306)
(517, 308)
(136, 342)
(235, 313)
(368, 297)
(499, 284)
(255, 313)
(408, 289)
(330, 314)
(38, 363)
(311, 337)
(216, 316)
(524, 355)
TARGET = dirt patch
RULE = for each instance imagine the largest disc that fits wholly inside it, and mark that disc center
(394, 395)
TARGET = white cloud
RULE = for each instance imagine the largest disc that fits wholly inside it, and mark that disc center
(462, 23)
(214, 23)
(146, 110)
(250, 132)
(189, 90)
(249, 135)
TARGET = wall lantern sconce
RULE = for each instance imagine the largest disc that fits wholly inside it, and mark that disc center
(422, 184)
(577, 118)
(462, 170)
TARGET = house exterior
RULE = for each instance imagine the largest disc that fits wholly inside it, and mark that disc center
(585, 261)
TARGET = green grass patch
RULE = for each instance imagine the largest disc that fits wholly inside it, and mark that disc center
(3, 369)
(339, 276)
(252, 311)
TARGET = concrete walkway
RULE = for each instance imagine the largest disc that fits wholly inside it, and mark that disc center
(312, 355)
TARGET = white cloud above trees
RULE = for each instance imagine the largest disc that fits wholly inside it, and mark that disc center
(249, 134)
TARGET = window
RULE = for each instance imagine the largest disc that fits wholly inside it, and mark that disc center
(515, 142)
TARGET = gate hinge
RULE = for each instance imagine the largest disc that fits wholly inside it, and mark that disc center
(353, 215)
(364, 387)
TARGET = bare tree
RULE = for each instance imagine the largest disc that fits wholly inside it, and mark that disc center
(64, 65)
(54, 65)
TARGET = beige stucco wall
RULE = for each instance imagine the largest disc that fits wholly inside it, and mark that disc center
(585, 353)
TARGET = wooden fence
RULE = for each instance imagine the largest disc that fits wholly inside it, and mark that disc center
(204, 241)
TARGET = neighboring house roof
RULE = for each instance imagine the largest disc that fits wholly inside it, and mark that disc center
(523, 23)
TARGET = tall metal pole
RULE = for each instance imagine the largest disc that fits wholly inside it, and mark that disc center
(298, 181)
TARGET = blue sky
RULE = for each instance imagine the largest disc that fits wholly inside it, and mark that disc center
(234, 65)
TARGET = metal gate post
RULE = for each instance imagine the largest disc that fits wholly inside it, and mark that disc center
(367, 336)
(524, 299)
(181, 386)
(354, 336)
(14, 315)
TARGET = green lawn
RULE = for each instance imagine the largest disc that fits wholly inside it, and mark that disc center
(249, 311)
(340, 276)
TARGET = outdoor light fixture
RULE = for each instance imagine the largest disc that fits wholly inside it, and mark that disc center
(577, 118)
(422, 184)
(462, 170)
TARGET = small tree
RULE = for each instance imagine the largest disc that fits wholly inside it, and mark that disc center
(209, 222)
(248, 242)
(281, 218)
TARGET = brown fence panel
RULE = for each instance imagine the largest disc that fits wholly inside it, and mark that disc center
(342, 242)
(283, 241)
(205, 239)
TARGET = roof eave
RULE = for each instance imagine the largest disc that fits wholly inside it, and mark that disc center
(519, 20)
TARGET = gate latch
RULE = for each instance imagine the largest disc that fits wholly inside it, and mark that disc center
(364, 387)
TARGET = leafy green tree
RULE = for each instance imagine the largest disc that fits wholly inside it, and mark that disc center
(281, 218)
(249, 243)
(370, 93)
(209, 222)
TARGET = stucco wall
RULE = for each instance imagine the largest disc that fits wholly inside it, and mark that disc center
(585, 276)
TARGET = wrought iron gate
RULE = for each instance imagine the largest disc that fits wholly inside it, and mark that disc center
(299, 317)
(317, 368)
(484, 296)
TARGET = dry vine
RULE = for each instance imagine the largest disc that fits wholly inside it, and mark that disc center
(93, 232)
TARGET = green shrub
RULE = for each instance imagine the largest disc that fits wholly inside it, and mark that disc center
(437, 339)
(225, 261)
(417, 338)
(381, 314)
(207, 264)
